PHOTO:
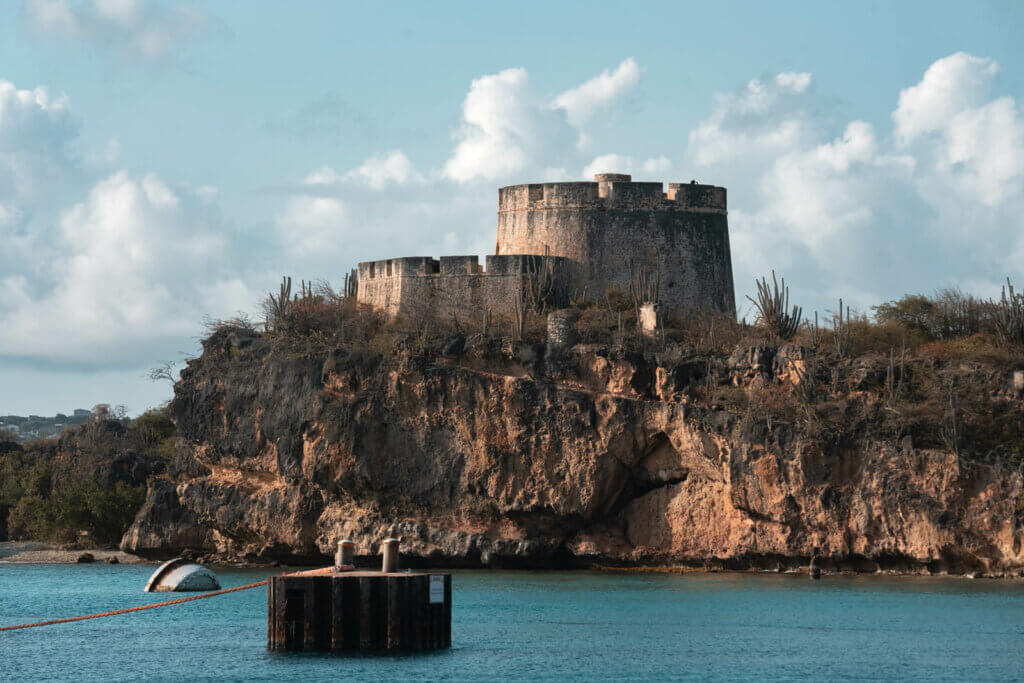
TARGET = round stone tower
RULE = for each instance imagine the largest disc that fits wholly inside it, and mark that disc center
(613, 228)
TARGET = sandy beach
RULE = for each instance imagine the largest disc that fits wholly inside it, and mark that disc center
(30, 552)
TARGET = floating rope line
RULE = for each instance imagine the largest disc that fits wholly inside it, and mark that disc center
(140, 608)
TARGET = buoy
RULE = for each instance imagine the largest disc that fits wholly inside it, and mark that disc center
(181, 575)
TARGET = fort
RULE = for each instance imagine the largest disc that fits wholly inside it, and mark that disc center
(587, 239)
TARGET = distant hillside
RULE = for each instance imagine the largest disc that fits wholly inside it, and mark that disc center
(40, 427)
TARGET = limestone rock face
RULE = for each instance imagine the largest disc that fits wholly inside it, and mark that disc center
(608, 462)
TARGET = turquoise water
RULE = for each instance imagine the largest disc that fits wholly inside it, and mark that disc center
(540, 626)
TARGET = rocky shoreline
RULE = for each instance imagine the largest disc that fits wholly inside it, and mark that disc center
(28, 552)
(31, 552)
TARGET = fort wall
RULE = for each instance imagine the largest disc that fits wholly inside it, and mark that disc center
(454, 285)
(603, 227)
(597, 234)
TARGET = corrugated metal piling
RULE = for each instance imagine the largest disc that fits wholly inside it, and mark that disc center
(368, 611)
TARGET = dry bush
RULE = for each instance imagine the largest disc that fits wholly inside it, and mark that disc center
(949, 405)
(866, 337)
(948, 314)
(597, 325)
(707, 332)
(385, 340)
(606, 326)
(982, 348)
(239, 324)
(316, 319)
(535, 327)
(615, 299)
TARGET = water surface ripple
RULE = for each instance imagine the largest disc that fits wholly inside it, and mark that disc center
(540, 626)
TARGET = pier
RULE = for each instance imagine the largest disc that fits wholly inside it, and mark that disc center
(368, 611)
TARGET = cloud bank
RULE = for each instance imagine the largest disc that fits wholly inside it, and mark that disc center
(865, 215)
(141, 28)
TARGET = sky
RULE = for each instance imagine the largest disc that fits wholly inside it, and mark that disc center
(162, 163)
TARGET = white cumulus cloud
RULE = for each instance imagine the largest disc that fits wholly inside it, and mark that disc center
(35, 131)
(377, 172)
(864, 215)
(310, 225)
(585, 100)
(143, 28)
(950, 85)
(508, 130)
(134, 264)
(763, 120)
(500, 127)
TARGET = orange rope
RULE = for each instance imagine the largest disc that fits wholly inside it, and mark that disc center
(160, 604)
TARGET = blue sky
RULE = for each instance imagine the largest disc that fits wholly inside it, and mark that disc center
(162, 161)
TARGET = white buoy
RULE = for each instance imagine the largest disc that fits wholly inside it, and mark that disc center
(180, 574)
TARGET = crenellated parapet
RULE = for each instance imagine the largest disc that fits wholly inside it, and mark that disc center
(610, 227)
(612, 191)
(597, 234)
(455, 284)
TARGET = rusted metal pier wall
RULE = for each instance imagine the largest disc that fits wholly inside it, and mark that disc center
(360, 611)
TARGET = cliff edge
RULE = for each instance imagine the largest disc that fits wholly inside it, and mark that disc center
(490, 453)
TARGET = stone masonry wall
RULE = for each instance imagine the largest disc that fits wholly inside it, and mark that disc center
(603, 226)
(451, 285)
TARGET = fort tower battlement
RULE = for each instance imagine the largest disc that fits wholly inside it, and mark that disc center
(597, 236)
(612, 226)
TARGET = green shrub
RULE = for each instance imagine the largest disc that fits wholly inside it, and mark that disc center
(153, 426)
(104, 514)
(947, 315)
(22, 473)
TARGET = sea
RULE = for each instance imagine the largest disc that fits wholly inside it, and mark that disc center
(539, 626)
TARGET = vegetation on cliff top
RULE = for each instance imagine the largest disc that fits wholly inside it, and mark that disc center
(937, 369)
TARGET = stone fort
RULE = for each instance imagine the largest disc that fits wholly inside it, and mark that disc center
(593, 237)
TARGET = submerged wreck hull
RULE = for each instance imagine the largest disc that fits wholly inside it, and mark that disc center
(181, 575)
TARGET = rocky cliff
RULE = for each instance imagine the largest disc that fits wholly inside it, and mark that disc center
(497, 454)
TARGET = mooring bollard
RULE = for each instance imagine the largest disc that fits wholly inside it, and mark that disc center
(389, 555)
(345, 557)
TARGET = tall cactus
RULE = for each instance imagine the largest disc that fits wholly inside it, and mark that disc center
(275, 309)
(1007, 316)
(351, 284)
(540, 281)
(773, 308)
